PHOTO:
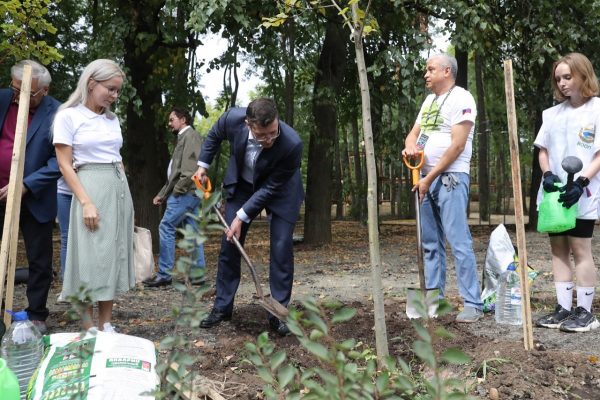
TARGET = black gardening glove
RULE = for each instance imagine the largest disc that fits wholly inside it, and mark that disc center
(571, 196)
(549, 182)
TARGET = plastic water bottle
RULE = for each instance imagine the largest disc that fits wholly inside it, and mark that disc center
(508, 298)
(22, 348)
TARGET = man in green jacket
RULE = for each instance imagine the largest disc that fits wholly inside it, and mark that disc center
(178, 192)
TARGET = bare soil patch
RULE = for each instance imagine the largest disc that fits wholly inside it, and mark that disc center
(563, 366)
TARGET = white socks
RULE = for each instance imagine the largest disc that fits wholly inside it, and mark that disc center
(564, 294)
(585, 295)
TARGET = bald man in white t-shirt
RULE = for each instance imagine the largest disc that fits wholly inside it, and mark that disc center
(444, 132)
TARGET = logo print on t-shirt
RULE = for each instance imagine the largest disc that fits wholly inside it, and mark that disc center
(587, 134)
(431, 119)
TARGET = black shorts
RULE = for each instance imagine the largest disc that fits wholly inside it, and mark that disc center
(584, 228)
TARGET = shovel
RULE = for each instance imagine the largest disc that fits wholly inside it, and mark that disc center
(412, 294)
(266, 301)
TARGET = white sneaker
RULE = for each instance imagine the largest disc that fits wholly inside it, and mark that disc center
(108, 328)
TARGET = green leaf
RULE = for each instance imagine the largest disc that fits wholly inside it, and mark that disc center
(343, 315)
(262, 339)
(455, 356)
(421, 330)
(382, 381)
(441, 332)
(311, 305)
(315, 334)
(346, 344)
(277, 359)
(265, 374)
(318, 322)
(316, 348)
(285, 375)
(425, 352)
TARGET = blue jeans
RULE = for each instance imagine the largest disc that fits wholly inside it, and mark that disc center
(63, 214)
(176, 215)
(444, 217)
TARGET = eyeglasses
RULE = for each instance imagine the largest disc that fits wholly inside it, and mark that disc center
(111, 90)
(268, 137)
(17, 91)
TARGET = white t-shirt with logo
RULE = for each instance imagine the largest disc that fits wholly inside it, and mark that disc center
(568, 131)
(94, 138)
(437, 116)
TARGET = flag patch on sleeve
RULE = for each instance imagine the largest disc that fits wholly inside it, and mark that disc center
(466, 111)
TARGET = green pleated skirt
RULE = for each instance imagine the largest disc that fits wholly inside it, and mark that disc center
(101, 261)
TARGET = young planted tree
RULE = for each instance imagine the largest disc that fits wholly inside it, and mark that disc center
(360, 25)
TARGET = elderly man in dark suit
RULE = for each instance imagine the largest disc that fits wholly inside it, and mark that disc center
(38, 208)
(263, 173)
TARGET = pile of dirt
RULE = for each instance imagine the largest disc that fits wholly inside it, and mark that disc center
(563, 366)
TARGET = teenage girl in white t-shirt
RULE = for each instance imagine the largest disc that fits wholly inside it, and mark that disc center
(569, 129)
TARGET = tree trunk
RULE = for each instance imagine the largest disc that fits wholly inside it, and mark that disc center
(381, 343)
(359, 204)
(345, 160)
(338, 190)
(536, 177)
(288, 90)
(328, 80)
(145, 146)
(482, 143)
(462, 77)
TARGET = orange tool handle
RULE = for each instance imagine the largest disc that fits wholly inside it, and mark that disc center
(200, 186)
(415, 168)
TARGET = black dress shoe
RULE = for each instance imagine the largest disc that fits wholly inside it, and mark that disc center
(148, 280)
(215, 318)
(158, 282)
(279, 326)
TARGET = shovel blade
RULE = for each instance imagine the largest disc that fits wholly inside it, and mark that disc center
(273, 307)
(414, 296)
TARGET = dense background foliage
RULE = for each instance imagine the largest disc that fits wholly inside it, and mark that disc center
(307, 65)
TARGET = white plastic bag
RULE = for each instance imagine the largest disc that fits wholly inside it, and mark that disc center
(142, 254)
(500, 254)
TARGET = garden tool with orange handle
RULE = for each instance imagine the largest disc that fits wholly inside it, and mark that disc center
(266, 301)
(430, 296)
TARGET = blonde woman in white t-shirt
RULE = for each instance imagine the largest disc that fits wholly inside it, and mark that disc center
(569, 129)
(87, 136)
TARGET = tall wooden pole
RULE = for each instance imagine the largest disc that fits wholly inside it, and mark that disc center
(10, 233)
(516, 184)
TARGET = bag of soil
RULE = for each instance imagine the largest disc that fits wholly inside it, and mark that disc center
(97, 366)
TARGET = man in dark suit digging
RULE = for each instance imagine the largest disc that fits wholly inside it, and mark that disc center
(263, 173)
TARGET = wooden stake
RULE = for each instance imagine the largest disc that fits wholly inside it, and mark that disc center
(516, 183)
(10, 233)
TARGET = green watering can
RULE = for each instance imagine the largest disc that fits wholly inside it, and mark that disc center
(552, 216)
(9, 385)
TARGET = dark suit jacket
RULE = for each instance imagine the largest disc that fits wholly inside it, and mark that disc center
(41, 169)
(277, 182)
